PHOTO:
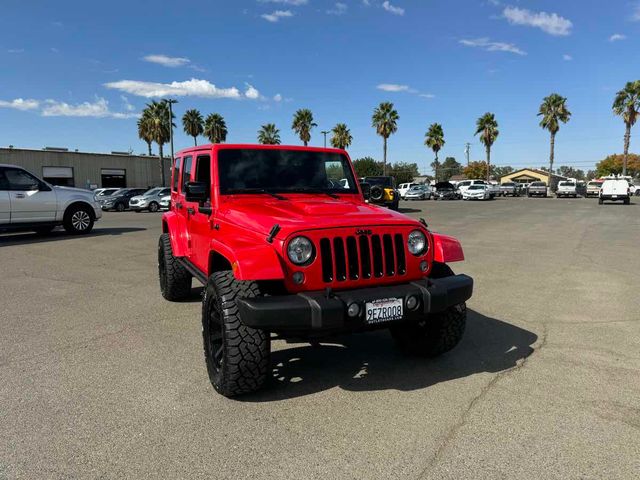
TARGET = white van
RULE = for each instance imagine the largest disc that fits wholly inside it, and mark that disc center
(615, 190)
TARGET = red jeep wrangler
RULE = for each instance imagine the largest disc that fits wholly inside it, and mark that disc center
(285, 244)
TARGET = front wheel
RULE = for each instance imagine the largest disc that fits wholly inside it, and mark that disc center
(78, 219)
(175, 280)
(154, 207)
(120, 207)
(237, 356)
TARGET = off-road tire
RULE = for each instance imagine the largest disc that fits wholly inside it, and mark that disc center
(175, 280)
(237, 356)
(78, 219)
(154, 207)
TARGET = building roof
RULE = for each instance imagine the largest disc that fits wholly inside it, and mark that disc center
(534, 170)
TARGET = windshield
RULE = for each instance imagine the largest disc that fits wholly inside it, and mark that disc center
(153, 191)
(595, 184)
(567, 184)
(249, 170)
(107, 192)
(476, 187)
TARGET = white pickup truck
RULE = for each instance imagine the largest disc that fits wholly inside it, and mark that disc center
(615, 190)
(29, 203)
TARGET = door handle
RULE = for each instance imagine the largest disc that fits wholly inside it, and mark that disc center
(191, 211)
(19, 195)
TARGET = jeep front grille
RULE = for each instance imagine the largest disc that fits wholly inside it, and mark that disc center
(362, 257)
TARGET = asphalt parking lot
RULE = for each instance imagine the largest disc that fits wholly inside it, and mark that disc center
(102, 378)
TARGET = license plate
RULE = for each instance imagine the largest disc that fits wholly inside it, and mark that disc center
(383, 310)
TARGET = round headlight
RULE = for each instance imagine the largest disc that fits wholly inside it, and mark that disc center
(417, 242)
(300, 250)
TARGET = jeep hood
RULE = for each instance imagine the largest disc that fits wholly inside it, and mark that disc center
(296, 214)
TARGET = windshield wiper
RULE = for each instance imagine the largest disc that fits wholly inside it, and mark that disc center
(255, 190)
(309, 190)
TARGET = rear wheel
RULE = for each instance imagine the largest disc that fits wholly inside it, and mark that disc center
(120, 207)
(154, 207)
(175, 280)
(78, 219)
(237, 356)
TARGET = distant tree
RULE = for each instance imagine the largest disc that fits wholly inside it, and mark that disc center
(215, 128)
(627, 105)
(302, 124)
(448, 169)
(269, 134)
(367, 167)
(403, 172)
(553, 110)
(614, 164)
(145, 129)
(193, 124)
(571, 172)
(487, 127)
(160, 125)
(341, 136)
(499, 172)
(591, 174)
(476, 170)
(385, 121)
(434, 139)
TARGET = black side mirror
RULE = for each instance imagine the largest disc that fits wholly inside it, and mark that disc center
(366, 190)
(195, 192)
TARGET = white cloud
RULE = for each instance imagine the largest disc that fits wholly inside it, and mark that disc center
(277, 97)
(616, 37)
(15, 50)
(427, 95)
(392, 8)
(98, 109)
(188, 88)
(338, 9)
(20, 104)
(366, 3)
(167, 61)
(395, 88)
(490, 46)
(567, 58)
(277, 15)
(295, 3)
(127, 106)
(635, 16)
(551, 23)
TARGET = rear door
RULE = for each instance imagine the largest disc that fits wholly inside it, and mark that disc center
(5, 202)
(200, 223)
(31, 199)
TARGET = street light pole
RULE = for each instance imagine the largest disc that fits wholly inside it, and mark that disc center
(467, 150)
(170, 101)
(324, 132)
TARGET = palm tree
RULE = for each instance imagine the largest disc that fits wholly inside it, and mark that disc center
(434, 139)
(160, 126)
(269, 134)
(341, 136)
(145, 129)
(215, 128)
(193, 124)
(627, 105)
(302, 124)
(487, 127)
(385, 121)
(553, 110)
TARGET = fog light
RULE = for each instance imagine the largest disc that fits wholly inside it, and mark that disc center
(353, 310)
(298, 278)
(424, 266)
(412, 302)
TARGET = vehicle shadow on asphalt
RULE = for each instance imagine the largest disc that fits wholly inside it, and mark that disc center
(25, 238)
(409, 210)
(369, 362)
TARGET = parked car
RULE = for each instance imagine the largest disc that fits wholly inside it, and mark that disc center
(119, 201)
(165, 202)
(149, 200)
(567, 189)
(510, 188)
(286, 254)
(445, 191)
(382, 191)
(29, 203)
(418, 192)
(104, 192)
(477, 192)
(403, 188)
(615, 190)
(537, 189)
(593, 188)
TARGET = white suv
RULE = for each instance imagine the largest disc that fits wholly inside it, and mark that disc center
(28, 203)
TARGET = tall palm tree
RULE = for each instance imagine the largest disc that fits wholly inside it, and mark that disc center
(302, 124)
(341, 136)
(145, 129)
(487, 127)
(553, 110)
(269, 134)
(385, 121)
(161, 129)
(434, 139)
(627, 105)
(193, 124)
(215, 128)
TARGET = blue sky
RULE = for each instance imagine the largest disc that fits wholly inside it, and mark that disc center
(75, 74)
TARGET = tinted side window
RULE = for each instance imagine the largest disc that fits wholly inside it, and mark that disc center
(176, 174)
(4, 183)
(186, 171)
(21, 180)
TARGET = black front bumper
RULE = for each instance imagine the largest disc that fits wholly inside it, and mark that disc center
(311, 312)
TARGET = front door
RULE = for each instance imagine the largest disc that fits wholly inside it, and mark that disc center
(5, 203)
(31, 199)
(200, 223)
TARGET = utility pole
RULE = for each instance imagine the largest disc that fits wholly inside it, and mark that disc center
(324, 132)
(170, 101)
(467, 151)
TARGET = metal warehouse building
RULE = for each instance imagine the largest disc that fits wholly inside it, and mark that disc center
(59, 166)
